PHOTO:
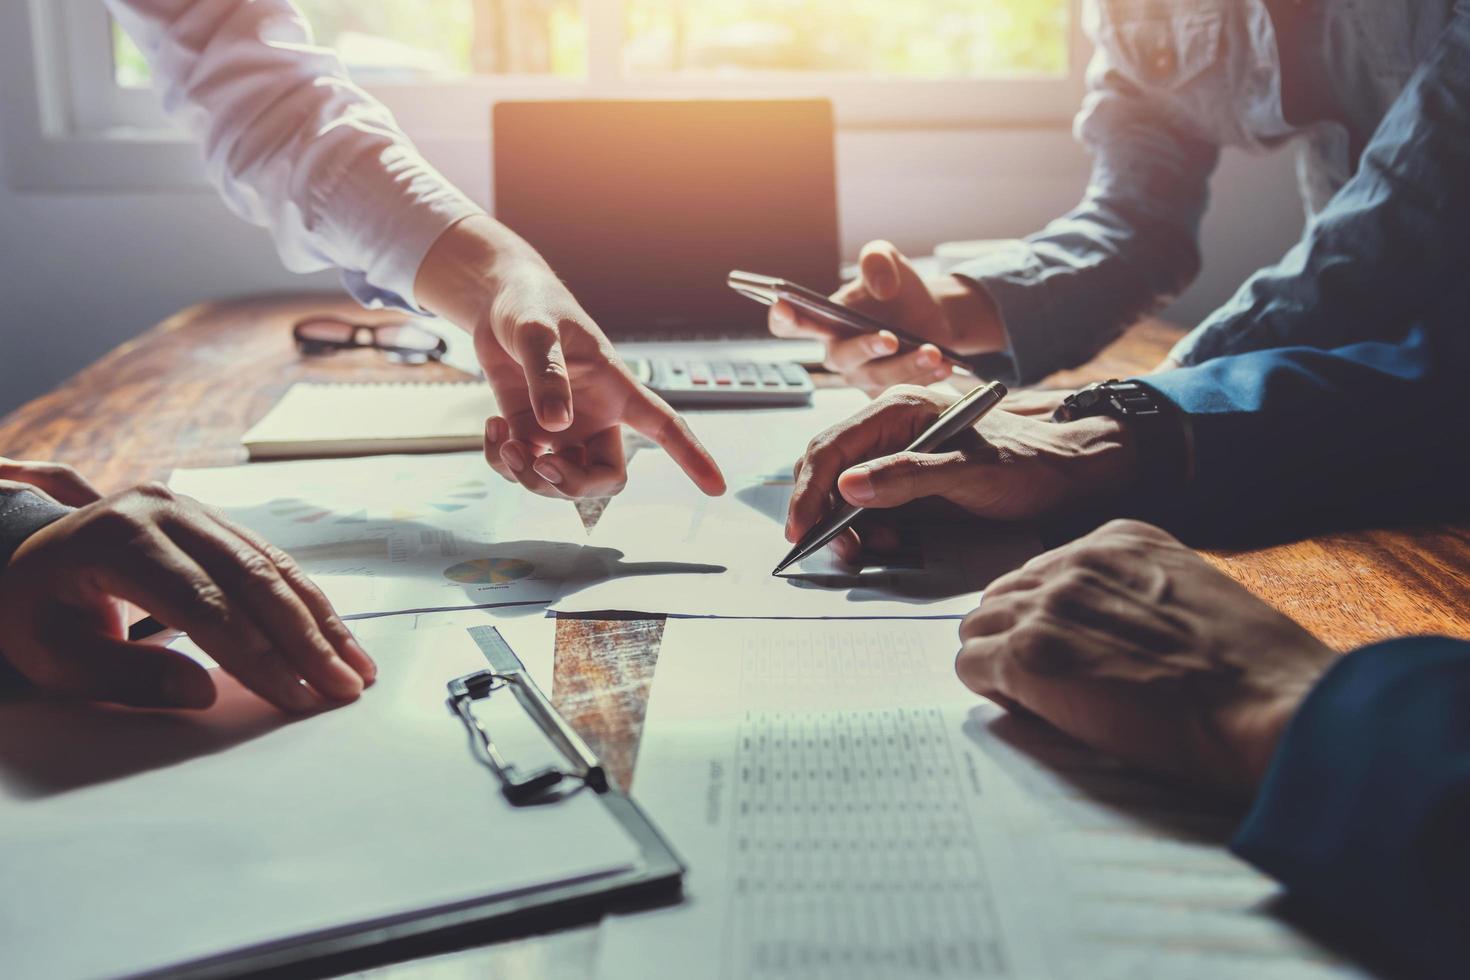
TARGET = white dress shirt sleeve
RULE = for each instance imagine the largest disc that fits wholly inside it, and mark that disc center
(293, 144)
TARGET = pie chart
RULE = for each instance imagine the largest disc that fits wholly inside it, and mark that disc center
(489, 571)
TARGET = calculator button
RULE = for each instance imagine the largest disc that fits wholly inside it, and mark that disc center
(793, 374)
(723, 373)
(746, 375)
(699, 374)
(769, 375)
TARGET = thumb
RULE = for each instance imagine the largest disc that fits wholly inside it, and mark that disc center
(138, 674)
(880, 263)
(538, 350)
(893, 481)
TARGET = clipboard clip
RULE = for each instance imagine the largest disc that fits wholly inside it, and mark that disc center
(520, 787)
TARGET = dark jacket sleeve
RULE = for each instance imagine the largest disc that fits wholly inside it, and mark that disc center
(1365, 812)
(1300, 439)
(1388, 246)
(23, 512)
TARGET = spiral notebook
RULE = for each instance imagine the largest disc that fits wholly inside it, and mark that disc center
(367, 419)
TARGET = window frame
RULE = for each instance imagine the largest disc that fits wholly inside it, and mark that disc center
(83, 131)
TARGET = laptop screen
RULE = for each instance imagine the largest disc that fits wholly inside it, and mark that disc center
(644, 208)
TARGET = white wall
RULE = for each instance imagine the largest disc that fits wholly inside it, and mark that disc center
(81, 273)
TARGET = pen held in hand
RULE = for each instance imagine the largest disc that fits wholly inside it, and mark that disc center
(954, 420)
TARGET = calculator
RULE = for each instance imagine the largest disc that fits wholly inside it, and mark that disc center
(703, 383)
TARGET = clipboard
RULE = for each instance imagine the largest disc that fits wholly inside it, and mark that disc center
(656, 878)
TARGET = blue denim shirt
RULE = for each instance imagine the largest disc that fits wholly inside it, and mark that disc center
(1174, 81)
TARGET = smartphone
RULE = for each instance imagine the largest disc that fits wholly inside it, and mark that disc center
(767, 291)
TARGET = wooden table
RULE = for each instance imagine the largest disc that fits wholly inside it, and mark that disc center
(184, 392)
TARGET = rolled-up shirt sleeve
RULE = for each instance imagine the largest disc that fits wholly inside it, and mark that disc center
(1388, 247)
(293, 145)
(1128, 247)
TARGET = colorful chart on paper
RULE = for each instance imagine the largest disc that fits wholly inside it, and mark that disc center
(489, 571)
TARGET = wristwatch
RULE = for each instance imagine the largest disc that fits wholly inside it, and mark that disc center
(23, 512)
(1157, 427)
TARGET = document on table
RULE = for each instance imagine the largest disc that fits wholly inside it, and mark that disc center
(389, 534)
(849, 810)
(664, 548)
(135, 841)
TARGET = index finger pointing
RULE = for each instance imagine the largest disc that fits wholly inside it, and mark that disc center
(651, 415)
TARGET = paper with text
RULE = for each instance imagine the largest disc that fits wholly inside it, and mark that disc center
(849, 810)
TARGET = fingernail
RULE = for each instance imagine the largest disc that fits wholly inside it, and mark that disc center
(858, 485)
(495, 430)
(928, 357)
(883, 344)
(556, 412)
(548, 471)
(347, 683)
(367, 659)
(515, 458)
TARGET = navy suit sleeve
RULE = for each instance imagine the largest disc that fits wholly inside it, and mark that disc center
(1365, 812)
(1300, 437)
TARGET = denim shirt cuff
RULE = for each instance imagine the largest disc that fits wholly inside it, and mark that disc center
(1186, 351)
(1011, 274)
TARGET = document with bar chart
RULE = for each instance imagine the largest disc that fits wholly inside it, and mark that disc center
(391, 534)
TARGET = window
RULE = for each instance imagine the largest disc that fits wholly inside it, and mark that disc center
(400, 41)
(871, 38)
(440, 64)
(663, 44)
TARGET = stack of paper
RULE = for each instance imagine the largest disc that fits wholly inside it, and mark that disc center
(320, 420)
(392, 534)
(137, 841)
(848, 810)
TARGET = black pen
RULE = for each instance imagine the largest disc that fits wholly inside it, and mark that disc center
(955, 419)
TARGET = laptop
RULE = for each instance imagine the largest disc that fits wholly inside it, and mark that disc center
(644, 207)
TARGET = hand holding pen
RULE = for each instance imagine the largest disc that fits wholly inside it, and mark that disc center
(1009, 467)
(953, 421)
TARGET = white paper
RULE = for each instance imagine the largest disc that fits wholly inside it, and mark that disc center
(849, 810)
(138, 840)
(390, 534)
(528, 630)
(664, 548)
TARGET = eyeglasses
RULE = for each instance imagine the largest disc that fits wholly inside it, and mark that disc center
(405, 343)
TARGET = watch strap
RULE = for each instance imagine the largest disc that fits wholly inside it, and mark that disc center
(1154, 423)
(23, 512)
